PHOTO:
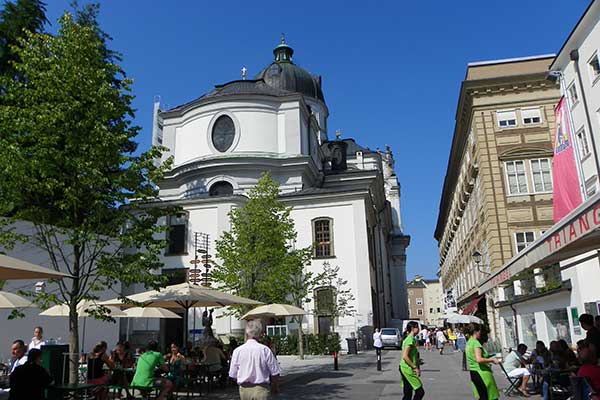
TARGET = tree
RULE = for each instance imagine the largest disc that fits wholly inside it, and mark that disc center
(338, 302)
(259, 260)
(68, 167)
(15, 20)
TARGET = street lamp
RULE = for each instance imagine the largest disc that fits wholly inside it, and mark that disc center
(477, 258)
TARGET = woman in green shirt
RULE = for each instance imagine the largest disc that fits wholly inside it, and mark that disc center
(409, 365)
(482, 378)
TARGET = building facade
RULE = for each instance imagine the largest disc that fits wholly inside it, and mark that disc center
(497, 193)
(345, 198)
(425, 301)
(543, 290)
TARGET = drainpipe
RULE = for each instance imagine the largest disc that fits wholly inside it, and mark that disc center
(575, 58)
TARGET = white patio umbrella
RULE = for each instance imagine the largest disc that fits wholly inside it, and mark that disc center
(148, 312)
(62, 310)
(184, 296)
(274, 310)
(11, 300)
(463, 319)
(13, 268)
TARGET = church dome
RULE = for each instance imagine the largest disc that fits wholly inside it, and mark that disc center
(283, 74)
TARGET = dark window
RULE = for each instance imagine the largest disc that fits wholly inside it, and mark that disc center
(177, 234)
(221, 188)
(324, 301)
(223, 133)
(323, 238)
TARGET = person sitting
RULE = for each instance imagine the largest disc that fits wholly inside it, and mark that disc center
(37, 340)
(95, 368)
(28, 381)
(540, 356)
(150, 360)
(590, 370)
(514, 364)
(175, 362)
(213, 357)
(123, 361)
(570, 357)
(19, 358)
(592, 333)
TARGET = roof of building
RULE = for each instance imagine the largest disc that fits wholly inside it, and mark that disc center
(283, 74)
(578, 34)
(280, 78)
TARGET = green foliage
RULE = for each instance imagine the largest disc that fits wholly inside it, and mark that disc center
(341, 304)
(259, 261)
(15, 19)
(68, 165)
(321, 344)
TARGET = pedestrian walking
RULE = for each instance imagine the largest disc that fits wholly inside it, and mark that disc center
(440, 339)
(377, 343)
(482, 378)
(426, 339)
(254, 366)
(409, 364)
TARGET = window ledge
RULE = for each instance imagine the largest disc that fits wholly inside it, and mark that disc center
(323, 257)
(586, 157)
(595, 80)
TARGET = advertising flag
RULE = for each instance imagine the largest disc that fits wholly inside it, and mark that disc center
(566, 192)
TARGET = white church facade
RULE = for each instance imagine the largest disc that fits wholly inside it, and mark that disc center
(345, 198)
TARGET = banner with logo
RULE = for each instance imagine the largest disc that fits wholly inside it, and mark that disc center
(567, 192)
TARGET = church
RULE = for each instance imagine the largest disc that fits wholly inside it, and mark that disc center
(345, 197)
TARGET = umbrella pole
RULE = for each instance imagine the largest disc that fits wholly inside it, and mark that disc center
(185, 326)
(127, 332)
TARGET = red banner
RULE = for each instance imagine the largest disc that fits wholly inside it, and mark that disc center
(567, 192)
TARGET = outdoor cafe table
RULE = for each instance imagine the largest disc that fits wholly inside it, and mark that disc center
(74, 391)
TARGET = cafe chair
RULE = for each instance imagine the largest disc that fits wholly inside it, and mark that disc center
(513, 383)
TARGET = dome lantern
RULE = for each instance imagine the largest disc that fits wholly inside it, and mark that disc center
(283, 52)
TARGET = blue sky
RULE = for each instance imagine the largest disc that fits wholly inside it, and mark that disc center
(391, 69)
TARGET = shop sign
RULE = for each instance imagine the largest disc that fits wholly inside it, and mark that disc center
(583, 225)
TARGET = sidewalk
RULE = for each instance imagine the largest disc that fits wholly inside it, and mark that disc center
(358, 379)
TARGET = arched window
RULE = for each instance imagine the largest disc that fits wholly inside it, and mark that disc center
(223, 133)
(177, 234)
(221, 188)
(323, 237)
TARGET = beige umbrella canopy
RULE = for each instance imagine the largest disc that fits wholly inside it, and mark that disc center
(62, 310)
(274, 310)
(184, 295)
(150, 312)
(13, 268)
(11, 300)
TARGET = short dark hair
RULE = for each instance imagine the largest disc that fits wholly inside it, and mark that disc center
(19, 342)
(522, 347)
(34, 355)
(153, 345)
(587, 319)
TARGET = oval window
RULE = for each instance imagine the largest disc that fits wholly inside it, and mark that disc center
(223, 133)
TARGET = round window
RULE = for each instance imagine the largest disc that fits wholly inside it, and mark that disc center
(223, 133)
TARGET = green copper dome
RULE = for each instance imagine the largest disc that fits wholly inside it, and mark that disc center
(283, 74)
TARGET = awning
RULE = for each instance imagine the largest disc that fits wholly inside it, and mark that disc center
(575, 234)
(472, 307)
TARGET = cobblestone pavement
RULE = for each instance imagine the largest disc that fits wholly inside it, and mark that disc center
(357, 378)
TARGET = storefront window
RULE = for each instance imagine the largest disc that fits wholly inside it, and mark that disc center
(557, 323)
(528, 332)
(509, 332)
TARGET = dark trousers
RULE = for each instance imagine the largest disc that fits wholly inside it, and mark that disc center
(408, 390)
(479, 385)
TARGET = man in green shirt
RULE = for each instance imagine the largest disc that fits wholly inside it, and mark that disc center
(144, 371)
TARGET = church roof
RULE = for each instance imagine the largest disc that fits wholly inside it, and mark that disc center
(283, 74)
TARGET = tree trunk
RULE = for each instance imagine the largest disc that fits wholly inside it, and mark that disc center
(73, 343)
(300, 339)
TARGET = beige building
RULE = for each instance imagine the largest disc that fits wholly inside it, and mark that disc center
(497, 194)
(425, 300)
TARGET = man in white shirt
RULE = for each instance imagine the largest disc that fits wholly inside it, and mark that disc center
(377, 343)
(17, 351)
(254, 366)
(514, 366)
(425, 338)
(440, 338)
